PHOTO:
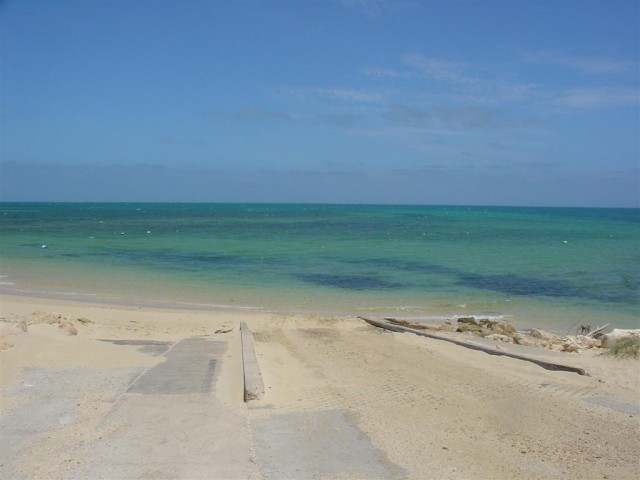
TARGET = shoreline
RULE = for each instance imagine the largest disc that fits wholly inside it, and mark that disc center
(369, 394)
(524, 316)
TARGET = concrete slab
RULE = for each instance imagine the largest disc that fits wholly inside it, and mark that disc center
(323, 444)
(165, 422)
(615, 404)
(189, 368)
(253, 384)
(150, 347)
(52, 399)
(168, 436)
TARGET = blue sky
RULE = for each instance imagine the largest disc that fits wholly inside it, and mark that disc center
(341, 101)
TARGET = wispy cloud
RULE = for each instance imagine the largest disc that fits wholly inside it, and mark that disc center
(599, 98)
(375, 8)
(350, 94)
(585, 64)
(249, 114)
(484, 118)
(437, 69)
(338, 94)
(459, 119)
(370, 8)
(407, 116)
(377, 72)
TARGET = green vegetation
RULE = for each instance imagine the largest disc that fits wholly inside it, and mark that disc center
(627, 348)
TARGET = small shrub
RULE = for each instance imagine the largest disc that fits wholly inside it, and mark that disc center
(627, 348)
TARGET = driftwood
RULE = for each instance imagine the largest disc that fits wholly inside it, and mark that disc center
(476, 346)
(597, 332)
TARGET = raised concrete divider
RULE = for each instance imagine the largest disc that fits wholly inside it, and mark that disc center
(253, 385)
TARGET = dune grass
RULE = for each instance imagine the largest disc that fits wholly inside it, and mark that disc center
(627, 348)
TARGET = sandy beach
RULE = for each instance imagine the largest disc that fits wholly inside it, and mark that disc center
(108, 391)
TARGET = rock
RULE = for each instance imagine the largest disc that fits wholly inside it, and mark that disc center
(527, 342)
(471, 327)
(574, 343)
(68, 328)
(467, 320)
(49, 318)
(542, 334)
(505, 329)
(587, 342)
(447, 327)
(618, 334)
(500, 338)
(570, 345)
(486, 323)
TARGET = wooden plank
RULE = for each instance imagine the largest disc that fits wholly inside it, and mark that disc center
(476, 346)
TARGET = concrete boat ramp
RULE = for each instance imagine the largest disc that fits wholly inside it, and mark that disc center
(190, 416)
(304, 399)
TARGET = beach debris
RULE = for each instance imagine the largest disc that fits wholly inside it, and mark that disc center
(570, 345)
(50, 318)
(526, 341)
(491, 329)
(68, 328)
(584, 329)
(447, 327)
(541, 334)
(5, 343)
(617, 335)
(597, 333)
(420, 326)
(499, 338)
(476, 346)
(505, 332)
(223, 330)
(467, 320)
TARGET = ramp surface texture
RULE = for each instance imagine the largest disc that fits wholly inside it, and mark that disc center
(190, 367)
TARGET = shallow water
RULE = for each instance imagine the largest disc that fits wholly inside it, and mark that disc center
(554, 267)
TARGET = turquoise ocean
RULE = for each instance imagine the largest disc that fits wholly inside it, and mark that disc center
(550, 267)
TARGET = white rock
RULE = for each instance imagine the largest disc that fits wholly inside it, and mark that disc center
(618, 334)
(541, 334)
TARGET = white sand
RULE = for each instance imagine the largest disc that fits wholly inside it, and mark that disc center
(432, 408)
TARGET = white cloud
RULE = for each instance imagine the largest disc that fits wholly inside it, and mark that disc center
(375, 8)
(351, 95)
(599, 98)
(583, 63)
(342, 94)
(370, 8)
(382, 73)
(438, 70)
(250, 114)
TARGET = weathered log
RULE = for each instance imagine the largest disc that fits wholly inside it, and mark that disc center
(597, 332)
(476, 346)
